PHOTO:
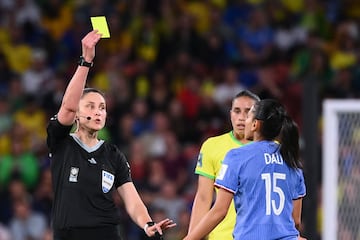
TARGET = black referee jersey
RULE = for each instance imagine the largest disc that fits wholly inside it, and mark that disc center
(83, 179)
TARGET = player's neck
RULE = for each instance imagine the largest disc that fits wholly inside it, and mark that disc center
(240, 138)
(244, 141)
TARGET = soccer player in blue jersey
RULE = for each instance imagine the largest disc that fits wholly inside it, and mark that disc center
(265, 179)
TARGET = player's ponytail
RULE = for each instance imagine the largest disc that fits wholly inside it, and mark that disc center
(289, 139)
(277, 125)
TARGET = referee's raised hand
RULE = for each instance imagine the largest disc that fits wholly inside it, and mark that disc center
(88, 44)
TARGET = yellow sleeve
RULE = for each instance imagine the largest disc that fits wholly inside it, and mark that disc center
(205, 164)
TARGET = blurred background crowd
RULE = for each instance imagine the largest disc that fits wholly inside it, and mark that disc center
(169, 71)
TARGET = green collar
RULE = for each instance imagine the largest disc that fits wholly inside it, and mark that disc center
(235, 139)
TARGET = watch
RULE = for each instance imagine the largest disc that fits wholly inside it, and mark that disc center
(84, 63)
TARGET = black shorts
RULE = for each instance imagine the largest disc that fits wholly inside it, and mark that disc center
(89, 233)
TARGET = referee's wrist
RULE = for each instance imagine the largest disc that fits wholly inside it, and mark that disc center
(147, 225)
(82, 62)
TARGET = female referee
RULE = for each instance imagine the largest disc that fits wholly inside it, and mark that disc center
(85, 169)
(264, 178)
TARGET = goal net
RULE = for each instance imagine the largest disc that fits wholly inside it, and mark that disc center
(341, 170)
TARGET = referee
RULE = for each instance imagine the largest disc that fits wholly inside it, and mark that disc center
(85, 170)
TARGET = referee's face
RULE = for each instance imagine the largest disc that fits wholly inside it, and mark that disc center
(92, 109)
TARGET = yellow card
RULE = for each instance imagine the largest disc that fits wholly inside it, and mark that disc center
(99, 23)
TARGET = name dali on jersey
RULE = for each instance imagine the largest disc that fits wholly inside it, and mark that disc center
(271, 158)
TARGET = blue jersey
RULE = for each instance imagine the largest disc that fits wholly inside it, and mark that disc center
(264, 188)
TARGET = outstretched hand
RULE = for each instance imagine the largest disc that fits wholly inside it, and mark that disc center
(160, 227)
(88, 44)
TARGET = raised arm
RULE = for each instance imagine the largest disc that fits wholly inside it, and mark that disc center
(70, 101)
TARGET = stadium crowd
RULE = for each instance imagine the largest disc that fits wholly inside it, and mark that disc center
(169, 71)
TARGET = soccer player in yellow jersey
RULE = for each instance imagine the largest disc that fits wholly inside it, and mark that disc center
(212, 153)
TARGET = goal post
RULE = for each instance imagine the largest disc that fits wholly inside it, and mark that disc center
(340, 161)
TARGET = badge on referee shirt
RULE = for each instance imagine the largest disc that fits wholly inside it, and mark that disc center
(74, 172)
(107, 181)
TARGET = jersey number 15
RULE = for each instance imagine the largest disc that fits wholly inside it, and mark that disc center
(271, 186)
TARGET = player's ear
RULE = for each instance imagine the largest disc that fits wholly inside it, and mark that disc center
(255, 125)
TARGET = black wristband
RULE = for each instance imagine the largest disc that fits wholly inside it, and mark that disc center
(84, 63)
(148, 224)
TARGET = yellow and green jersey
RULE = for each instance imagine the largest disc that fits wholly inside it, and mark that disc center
(211, 155)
